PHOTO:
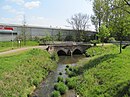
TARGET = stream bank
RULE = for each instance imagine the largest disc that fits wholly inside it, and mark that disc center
(47, 87)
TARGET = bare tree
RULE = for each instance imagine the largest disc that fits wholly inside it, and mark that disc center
(79, 22)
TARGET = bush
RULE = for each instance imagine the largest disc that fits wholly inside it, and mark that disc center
(69, 38)
(45, 39)
(61, 87)
(54, 56)
(111, 39)
(94, 42)
(60, 79)
(55, 94)
(71, 69)
(35, 83)
(71, 82)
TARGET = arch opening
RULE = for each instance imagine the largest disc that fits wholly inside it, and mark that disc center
(77, 52)
(61, 53)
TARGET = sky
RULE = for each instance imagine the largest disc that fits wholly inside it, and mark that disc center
(46, 13)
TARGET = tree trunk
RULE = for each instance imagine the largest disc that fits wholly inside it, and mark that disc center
(120, 45)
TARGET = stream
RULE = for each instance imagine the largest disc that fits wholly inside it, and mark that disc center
(46, 87)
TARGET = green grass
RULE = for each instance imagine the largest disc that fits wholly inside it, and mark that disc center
(20, 74)
(7, 45)
(106, 74)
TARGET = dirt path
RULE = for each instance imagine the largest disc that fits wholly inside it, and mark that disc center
(21, 49)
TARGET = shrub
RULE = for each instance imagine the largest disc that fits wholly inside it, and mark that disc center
(111, 39)
(45, 39)
(61, 87)
(94, 42)
(54, 56)
(35, 82)
(55, 94)
(71, 69)
(71, 82)
(69, 38)
(60, 79)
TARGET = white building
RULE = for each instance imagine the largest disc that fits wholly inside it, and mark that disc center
(34, 31)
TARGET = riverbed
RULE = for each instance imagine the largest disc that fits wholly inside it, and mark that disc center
(46, 87)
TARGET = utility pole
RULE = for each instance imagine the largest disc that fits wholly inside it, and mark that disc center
(24, 29)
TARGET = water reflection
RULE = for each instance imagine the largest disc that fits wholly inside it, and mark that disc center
(70, 59)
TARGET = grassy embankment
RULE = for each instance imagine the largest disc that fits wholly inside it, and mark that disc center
(105, 74)
(7, 45)
(20, 74)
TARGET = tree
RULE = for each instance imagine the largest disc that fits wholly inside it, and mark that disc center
(120, 22)
(59, 36)
(115, 15)
(79, 23)
(125, 3)
(104, 33)
(97, 8)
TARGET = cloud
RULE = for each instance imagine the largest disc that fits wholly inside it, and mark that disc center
(19, 2)
(32, 4)
(15, 20)
(9, 8)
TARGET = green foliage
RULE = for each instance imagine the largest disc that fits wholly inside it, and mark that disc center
(95, 42)
(36, 38)
(61, 87)
(111, 39)
(56, 94)
(60, 79)
(115, 15)
(98, 50)
(20, 74)
(46, 39)
(105, 75)
(54, 56)
(70, 71)
(7, 45)
(69, 38)
(71, 82)
(104, 33)
(59, 36)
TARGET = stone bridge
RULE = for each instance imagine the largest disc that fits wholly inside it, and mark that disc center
(68, 49)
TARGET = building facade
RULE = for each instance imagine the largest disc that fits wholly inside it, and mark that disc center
(32, 32)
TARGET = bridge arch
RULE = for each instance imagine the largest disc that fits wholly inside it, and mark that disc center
(62, 51)
(77, 51)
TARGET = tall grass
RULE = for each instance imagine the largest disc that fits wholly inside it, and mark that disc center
(106, 74)
(21, 74)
